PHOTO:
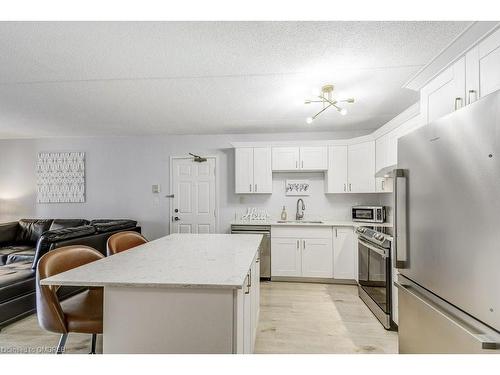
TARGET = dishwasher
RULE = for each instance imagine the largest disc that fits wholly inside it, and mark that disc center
(265, 245)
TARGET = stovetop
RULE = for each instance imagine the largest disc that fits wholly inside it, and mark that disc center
(375, 237)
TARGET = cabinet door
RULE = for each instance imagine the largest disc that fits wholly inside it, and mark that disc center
(489, 64)
(361, 167)
(472, 75)
(285, 257)
(285, 158)
(317, 258)
(262, 172)
(445, 93)
(314, 158)
(255, 296)
(247, 316)
(243, 170)
(337, 169)
(345, 255)
(381, 160)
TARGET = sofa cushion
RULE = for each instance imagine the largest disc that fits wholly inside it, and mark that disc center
(52, 236)
(109, 225)
(30, 230)
(7, 251)
(8, 233)
(21, 256)
(15, 280)
(67, 223)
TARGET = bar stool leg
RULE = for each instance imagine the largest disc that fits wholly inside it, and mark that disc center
(62, 343)
(94, 341)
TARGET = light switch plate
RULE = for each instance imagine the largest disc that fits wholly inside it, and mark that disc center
(155, 188)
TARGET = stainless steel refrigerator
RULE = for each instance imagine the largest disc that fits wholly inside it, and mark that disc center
(447, 233)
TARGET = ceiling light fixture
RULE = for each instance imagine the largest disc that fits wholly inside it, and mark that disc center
(327, 100)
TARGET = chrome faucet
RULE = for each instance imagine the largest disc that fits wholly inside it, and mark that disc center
(300, 215)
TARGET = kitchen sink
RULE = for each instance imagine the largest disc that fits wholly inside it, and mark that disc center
(299, 221)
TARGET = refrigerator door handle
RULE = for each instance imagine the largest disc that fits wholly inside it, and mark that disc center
(485, 336)
(400, 218)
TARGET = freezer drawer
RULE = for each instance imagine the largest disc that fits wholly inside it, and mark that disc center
(427, 324)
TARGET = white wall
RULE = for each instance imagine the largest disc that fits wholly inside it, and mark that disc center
(121, 170)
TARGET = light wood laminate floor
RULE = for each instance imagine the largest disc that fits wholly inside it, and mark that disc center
(294, 318)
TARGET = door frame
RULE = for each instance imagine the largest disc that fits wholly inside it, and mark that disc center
(171, 188)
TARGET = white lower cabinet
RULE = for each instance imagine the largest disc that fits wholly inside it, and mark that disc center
(317, 257)
(247, 311)
(345, 254)
(313, 252)
(285, 256)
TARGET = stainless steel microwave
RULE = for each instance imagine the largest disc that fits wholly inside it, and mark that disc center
(368, 214)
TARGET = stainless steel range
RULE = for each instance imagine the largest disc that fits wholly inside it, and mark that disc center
(374, 273)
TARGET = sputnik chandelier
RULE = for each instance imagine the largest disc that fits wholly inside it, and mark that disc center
(327, 100)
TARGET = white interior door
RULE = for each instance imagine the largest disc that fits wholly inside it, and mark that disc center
(193, 207)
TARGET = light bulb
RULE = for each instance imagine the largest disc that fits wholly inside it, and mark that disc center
(309, 120)
(343, 111)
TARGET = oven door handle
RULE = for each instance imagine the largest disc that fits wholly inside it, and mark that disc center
(384, 253)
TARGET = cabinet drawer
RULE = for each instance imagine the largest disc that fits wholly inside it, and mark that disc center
(295, 231)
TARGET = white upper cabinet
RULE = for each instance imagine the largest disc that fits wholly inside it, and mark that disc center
(336, 177)
(351, 168)
(311, 158)
(445, 93)
(361, 167)
(286, 158)
(243, 170)
(314, 158)
(381, 161)
(262, 172)
(489, 64)
(253, 172)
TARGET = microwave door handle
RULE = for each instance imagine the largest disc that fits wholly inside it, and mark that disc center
(401, 218)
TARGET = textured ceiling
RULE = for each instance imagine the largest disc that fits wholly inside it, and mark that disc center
(127, 78)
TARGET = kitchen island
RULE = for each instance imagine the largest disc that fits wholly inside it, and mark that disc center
(183, 293)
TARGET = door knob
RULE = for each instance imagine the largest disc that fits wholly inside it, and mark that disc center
(176, 210)
(176, 218)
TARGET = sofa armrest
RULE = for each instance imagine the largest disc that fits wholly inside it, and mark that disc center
(8, 232)
(51, 237)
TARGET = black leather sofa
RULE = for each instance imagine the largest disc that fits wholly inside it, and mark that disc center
(23, 242)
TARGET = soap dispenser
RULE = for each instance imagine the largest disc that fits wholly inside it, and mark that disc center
(283, 213)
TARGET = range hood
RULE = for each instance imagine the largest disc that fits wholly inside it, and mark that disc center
(386, 171)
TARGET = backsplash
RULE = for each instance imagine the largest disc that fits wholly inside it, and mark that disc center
(318, 204)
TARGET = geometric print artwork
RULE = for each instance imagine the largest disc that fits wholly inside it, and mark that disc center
(60, 177)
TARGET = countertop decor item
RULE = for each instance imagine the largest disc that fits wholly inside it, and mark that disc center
(61, 177)
(297, 187)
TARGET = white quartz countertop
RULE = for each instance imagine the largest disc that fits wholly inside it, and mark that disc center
(324, 223)
(178, 260)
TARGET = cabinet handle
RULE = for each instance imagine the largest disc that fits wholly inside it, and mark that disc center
(250, 187)
(248, 284)
(350, 187)
(255, 187)
(457, 105)
(304, 244)
(257, 260)
(383, 185)
(297, 244)
(344, 187)
(336, 234)
(469, 94)
(302, 164)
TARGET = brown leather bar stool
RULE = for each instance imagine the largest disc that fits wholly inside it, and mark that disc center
(122, 241)
(81, 313)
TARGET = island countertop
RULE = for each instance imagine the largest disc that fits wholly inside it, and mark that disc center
(178, 260)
